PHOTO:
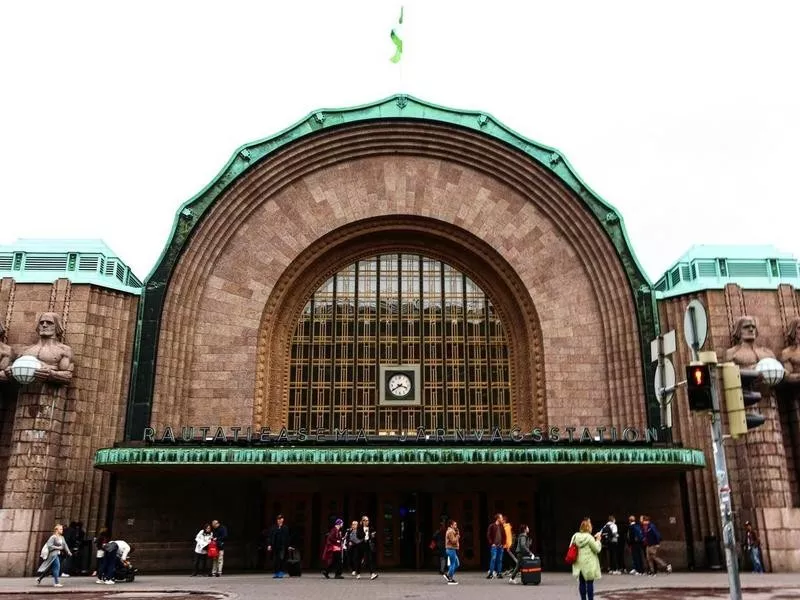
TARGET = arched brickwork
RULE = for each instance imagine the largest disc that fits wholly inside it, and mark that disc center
(380, 235)
(208, 358)
(207, 305)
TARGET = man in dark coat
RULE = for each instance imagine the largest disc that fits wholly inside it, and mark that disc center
(279, 544)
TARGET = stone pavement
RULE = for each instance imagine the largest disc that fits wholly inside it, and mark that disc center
(402, 586)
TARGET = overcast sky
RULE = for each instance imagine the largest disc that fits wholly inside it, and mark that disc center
(684, 115)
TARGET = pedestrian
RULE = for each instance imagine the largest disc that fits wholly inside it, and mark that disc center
(278, 542)
(633, 538)
(509, 560)
(100, 540)
(51, 554)
(495, 535)
(332, 553)
(609, 537)
(651, 540)
(752, 544)
(367, 536)
(353, 553)
(218, 534)
(116, 551)
(587, 566)
(452, 543)
(439, 547)
(201, 541)
(522, 550)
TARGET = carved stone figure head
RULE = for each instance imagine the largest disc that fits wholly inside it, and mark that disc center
(745, 330)
(49, 324)
(793, 332)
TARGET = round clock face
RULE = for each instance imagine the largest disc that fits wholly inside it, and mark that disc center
(399, 385)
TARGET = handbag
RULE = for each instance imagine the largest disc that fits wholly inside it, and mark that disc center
(213, 551)
(572, 553)
(432, 545)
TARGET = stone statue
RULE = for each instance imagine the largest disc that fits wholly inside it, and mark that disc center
(55, 356)
(745, 353)
(790, 356)
(6, 355)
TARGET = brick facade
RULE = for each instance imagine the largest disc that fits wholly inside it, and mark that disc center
(49, 434)
(762, 468)
(278, 231)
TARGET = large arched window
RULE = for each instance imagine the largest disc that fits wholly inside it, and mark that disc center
(399, 309)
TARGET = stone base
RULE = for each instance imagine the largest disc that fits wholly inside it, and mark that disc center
(780, 538)
(23, 532)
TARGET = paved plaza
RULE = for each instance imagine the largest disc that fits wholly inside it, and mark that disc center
(402, 586)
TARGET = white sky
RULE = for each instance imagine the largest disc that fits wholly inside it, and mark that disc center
(684, 115)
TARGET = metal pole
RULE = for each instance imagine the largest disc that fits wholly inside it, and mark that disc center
(724, 492)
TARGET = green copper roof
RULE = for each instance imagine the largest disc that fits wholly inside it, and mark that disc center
(80, 261)
(712, 267)
(117, 458)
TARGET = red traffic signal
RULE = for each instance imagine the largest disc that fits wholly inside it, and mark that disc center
(698, 387)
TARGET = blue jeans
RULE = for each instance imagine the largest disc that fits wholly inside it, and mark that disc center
(55, 569)
(452, 555)
(755, 559)
(496, 560)
(585, 588)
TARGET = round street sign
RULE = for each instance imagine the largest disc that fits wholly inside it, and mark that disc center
(669, 381)
(695, 333)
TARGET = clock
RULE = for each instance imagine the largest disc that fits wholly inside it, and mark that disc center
(399, 385)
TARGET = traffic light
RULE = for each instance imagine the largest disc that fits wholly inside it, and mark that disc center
(751, 395)
(698, 387)
(741, 388)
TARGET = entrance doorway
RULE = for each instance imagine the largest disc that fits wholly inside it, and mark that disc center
(405, 517)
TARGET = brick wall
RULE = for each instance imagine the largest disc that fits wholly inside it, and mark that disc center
(761, 464)
(49, 475)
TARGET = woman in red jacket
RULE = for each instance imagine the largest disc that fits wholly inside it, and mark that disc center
(332, 554)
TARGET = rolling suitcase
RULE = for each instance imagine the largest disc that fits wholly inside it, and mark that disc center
(531, 570)
(293, 568)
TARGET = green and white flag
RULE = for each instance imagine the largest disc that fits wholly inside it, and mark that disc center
(397, 39)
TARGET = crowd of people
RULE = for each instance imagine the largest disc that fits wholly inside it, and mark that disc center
(354, 549)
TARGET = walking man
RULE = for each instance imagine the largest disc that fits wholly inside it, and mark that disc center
(495, 535)
(452, 542)
(278, 544)
(753, 546)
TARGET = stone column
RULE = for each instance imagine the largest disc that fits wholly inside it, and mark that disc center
(27, 515)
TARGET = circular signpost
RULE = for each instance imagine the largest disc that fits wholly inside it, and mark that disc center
(695, 325)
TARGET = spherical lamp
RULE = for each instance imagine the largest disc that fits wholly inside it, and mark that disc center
(771, 370)
(24, 368)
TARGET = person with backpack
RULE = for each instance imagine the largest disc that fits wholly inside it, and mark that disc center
(633, 538)
(651, 539)
(609, 538)
(522, 550)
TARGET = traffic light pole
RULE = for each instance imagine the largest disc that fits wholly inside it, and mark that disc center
(724, 491)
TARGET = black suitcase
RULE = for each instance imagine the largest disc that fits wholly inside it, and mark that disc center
(531, 570)
(293, 568)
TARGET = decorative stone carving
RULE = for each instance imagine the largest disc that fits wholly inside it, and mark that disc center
(790, 355)
(6, 355)
(746, 353)
(55, 356)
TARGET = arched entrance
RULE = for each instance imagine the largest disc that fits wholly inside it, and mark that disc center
(395, 342)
